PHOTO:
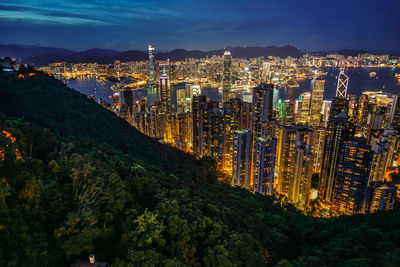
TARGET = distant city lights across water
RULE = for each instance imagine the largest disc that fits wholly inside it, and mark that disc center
(359, 81)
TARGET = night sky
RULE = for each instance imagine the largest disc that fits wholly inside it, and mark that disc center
(310, 25)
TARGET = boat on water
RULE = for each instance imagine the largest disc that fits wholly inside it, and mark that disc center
(372, 74)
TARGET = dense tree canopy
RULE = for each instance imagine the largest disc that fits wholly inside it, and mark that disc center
(75, 179)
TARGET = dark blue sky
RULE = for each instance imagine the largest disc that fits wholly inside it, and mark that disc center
(310, 25)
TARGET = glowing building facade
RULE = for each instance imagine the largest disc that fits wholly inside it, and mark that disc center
(227, 78)
(316, 102)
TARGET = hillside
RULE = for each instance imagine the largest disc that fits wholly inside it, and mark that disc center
(40, 56)
(76, 179)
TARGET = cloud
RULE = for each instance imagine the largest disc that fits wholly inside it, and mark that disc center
(45, 16)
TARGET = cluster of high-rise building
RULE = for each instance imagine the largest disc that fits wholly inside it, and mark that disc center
(336, 155)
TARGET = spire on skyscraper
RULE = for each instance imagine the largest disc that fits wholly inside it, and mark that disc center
(343, 82)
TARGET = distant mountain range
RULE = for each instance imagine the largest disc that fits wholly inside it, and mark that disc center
(38, 56)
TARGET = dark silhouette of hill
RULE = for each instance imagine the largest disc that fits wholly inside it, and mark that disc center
(39, 56)
(44, 55)
(23, 51)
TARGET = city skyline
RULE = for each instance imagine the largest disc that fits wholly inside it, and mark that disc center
(123, 25)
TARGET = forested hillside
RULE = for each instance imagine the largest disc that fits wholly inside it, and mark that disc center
(76, 179)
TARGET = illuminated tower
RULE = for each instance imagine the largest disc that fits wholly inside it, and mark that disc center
(226, 83)
(290, 137)
(151, 63)
(213, 141)
(395, 113)
(262, 110)
(379, 161)
(266, 72)
(317, 98)
(264, 165)
(352, 177)
(165, 93)
(342, 83)
(180, 100)
(241, 158)
(289, 117)
(305, 108)
(338, 105)
(285, 159)
(300, 179)
(152, 90)
(199, 110)
(337, 133)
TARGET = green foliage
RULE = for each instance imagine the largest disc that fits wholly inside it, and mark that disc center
(109, 190)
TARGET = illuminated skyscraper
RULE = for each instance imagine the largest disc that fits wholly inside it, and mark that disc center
(316, 102)
(342, 83)
(351, 182)
(264, 165)
(213, 141)
(152, 90)
(304, 113)
(266, 72)
(379, 161)
(300, 179)
(199, 110)
(317, 148)
(262, 110)
(227, 78)
(338, 105)
(180, 100)
(336, 134)
(395, 113)
(288, 141)
(289, 118)
(241, 158)
(165, 92)
(151, 63)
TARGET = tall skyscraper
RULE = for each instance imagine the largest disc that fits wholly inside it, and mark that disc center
(165, 92)
(317, 101)
(342, 83)
(338, 105)
(266, 72)
(353, 170)
(379, 161)
(317, 148)
(395, 113)
(289, 138)
(152, 89)
(151, 64)
(199, 110)
(304, 113)
(180, 100)
(262, 110)
(336, 134)
(300, 179)
(241, 158)
(289, 118)
(213, 141)
(264, 165)
(227, 78)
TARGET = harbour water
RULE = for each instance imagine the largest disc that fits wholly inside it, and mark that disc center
(359, 81)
